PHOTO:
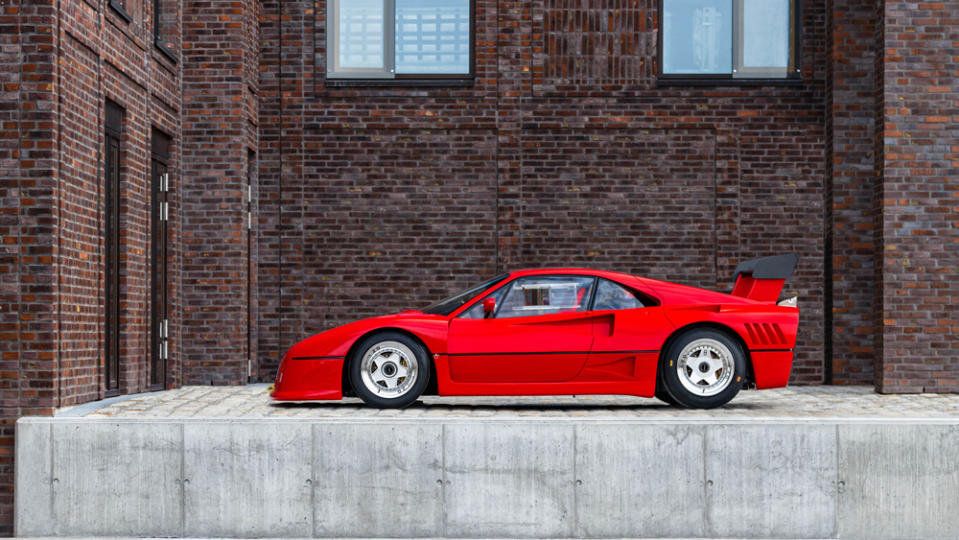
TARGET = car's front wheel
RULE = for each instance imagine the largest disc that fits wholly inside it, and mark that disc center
(703, 368)
(389, 369)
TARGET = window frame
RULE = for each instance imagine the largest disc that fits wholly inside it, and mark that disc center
(157, 38)
(508, 288)
(644, 299)
(738, 76)
(387, 74)
(120, 9)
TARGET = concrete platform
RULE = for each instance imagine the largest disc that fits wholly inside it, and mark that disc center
(225, 462)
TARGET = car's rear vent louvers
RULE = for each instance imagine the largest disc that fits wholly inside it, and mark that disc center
(765, 334)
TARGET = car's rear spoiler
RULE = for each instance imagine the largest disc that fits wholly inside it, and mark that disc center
(763, 279)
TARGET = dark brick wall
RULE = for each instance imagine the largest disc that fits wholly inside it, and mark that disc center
(219, 129)
(920, 164)
(379, 198)
(850, 231)
(28, 214)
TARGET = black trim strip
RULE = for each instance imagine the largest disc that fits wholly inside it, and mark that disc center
(317, 358)
(545, 352)
(770, 350)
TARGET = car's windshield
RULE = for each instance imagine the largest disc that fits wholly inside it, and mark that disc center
(449, 305)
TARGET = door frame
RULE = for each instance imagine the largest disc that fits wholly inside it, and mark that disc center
(159, 300)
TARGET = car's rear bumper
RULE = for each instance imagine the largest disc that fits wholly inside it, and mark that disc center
(303, 379)
(771, 367)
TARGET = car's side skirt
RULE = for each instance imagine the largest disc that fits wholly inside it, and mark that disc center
(639, 381)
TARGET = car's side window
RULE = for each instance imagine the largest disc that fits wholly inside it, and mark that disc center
(545, 295)
(610, 295)
(476, 311)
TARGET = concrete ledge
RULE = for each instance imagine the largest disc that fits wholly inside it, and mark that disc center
(477, 477)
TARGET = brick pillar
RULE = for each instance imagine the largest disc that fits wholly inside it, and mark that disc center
(29, 331)
(220, 51)
(849, 193)
(919, 195)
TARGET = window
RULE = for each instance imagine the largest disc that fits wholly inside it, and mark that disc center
(546, 295)
(732, 39)
(111, 235)
(120, 8)
(165, 27)
(396, 39)
(611, 295)
(451, 304)
(476, 310)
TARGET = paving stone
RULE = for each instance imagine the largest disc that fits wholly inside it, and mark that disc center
(814, 402)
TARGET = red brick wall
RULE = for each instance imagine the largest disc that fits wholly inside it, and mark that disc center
(920, 164)
(219, 129)
(379, 198)
(106, 57)
(850, 276)
(51, 188)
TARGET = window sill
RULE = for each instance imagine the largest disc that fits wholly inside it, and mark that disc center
(166, 52)
(694, 81)
(437, 82)
(118, 8)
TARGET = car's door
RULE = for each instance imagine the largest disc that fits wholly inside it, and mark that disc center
(629, 328)
(540, 331)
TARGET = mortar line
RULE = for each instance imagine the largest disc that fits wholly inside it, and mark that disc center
(575, 520)
(706, 527)
(444, 479)
(835, 517)
(53, 516)
(182, 479)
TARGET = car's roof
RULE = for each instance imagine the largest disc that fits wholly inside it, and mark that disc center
(581, 271)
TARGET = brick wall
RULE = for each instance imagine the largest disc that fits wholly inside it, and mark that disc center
(379, 198)
(61, 61)
(850, 279)
(920, 164)
(219, 129)
(28, 213)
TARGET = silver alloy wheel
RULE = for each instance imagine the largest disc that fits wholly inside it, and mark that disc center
(389, 369)
(705, 367)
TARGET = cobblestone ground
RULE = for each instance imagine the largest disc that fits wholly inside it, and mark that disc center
(813, 402)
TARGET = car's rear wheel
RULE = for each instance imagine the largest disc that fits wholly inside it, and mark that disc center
(663, 395)
(703, 368)
(389, 369)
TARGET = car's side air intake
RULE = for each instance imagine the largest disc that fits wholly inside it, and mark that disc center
(763, 279)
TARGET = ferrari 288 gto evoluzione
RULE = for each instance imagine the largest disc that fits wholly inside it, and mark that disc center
(562, 331)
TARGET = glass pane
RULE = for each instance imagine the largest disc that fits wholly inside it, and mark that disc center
(611, 295)
(360, 38)
(432, 36)
(697, 36)
(766, 33)
(545, 295)
(477, 312)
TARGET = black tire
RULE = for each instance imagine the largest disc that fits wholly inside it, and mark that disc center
(663, 395)
(703, 368)
(376, 370)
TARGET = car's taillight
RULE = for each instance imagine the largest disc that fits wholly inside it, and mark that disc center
(789, 302)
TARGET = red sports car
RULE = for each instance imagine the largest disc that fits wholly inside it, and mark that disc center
(561, 331)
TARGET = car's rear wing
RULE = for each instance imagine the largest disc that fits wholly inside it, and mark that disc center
(763, 279)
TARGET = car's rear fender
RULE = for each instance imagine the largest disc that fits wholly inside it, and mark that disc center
(716, 326)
